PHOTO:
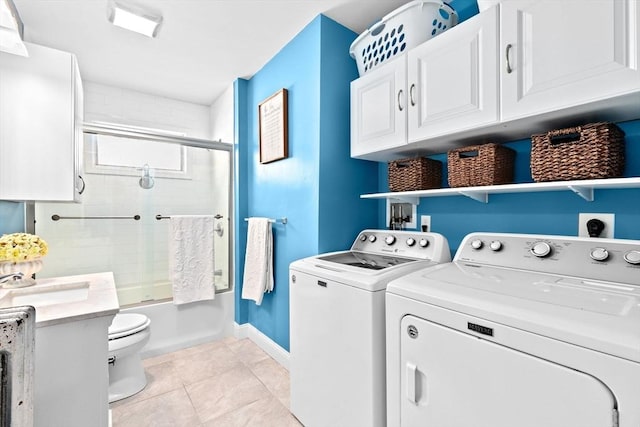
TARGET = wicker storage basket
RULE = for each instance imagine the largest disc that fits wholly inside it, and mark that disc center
(592, 151)
(485, 164)
(417, 173)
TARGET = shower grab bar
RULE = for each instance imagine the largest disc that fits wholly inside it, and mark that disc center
(282, 220)
(57, 217)
(159, 217)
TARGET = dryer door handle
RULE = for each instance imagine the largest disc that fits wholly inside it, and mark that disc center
(411, 376)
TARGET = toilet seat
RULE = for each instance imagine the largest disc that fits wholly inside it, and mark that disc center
(125, 324)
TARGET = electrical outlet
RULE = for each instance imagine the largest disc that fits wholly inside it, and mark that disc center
(425, 222)
(608, 219)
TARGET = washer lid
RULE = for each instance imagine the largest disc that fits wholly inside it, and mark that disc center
(126, 324)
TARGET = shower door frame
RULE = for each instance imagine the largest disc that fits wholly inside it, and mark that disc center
(184, 141)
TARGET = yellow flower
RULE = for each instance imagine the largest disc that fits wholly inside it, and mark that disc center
(22, 246)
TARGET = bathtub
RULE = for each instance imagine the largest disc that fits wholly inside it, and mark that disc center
(174, 327)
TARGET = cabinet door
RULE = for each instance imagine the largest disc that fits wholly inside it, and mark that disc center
(378, 109)
(567, 53)
(38, 125)
(453, 79)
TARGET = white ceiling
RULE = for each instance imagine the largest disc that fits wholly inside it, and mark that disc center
(201, 48)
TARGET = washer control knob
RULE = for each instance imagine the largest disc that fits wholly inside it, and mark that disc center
(541, 249)
(632, 257)
(599, 254)
(496, 245)
(390, 240)
(363, 238)
(411, 241)
(423, 243)
(372, 238)
(476, 244)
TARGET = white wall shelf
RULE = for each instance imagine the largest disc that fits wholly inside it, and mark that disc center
(583, 188)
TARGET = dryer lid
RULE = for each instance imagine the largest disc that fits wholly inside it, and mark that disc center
(127, 323)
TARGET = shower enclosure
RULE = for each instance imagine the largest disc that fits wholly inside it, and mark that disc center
(135, 180)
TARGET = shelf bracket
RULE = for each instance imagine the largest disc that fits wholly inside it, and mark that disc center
(480, 196)
(584, 192)
(405, 199)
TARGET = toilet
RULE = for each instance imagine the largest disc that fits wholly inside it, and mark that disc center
(128, 334)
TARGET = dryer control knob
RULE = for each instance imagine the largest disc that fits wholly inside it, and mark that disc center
(363, 238)
(476, 244)
(599, 254)
(411, 241)
(541, 249)
(423, 243)
(372, 238)
(632, 257)
(496, 245)
(390, 240)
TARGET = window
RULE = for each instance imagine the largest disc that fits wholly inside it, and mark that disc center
(118, 155)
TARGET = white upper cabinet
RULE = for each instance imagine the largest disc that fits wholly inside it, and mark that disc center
(452, 79)
(559, 54)
(379, 109)
(523, 67)
(41, 114)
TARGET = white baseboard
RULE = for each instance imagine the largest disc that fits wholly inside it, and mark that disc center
(278, 353)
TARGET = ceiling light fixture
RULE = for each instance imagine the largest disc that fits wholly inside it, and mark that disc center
(11, 29)
(134, 19)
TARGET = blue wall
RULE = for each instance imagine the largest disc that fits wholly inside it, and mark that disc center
(11, 217)
(537, 213)
(318, 186)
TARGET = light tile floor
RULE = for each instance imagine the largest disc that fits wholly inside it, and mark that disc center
(224, 383)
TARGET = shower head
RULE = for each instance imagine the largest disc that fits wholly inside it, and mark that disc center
(146, 181)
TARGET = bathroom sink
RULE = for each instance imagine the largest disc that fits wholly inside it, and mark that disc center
(39, 296)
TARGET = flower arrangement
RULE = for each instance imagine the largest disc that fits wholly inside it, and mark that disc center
(18, 247)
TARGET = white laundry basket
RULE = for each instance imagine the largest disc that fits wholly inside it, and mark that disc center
(400, 30)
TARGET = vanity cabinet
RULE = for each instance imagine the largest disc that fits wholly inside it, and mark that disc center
(41, 113)
(71, 383)
(522, 67)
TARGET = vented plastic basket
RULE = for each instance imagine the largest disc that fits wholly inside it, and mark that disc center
(404, 28)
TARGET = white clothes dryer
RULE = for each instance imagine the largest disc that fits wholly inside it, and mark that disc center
(519, 330)
(337, 357)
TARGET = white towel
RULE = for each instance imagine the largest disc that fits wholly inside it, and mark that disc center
(258, 261)
(191, 265)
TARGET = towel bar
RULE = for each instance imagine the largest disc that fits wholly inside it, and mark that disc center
(159, 217)
(282, 220)
(57, 217)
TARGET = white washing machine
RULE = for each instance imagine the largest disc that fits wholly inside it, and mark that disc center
(518, 331)
(337, 357)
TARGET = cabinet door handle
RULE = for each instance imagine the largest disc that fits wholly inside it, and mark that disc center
(411, 90)
(507, 62)
(81, 187)
(399, 100)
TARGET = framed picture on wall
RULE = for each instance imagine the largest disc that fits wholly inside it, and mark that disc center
(273, 127)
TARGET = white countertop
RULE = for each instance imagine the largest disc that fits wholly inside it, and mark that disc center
(89, 296)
